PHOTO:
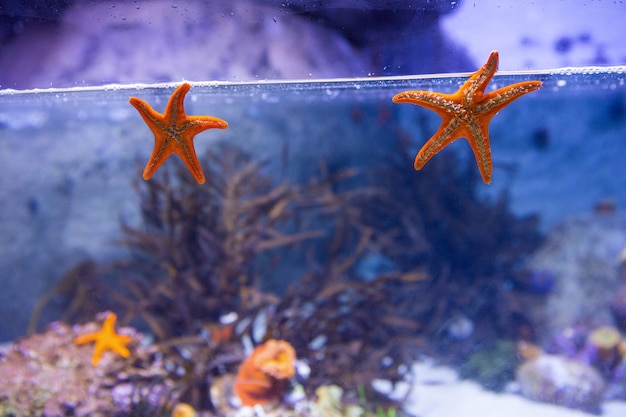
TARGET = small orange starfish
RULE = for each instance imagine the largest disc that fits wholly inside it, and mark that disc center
(106, 339)
(174, 132)
(467, 114)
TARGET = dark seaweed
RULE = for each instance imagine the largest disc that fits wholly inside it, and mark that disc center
(202, 252)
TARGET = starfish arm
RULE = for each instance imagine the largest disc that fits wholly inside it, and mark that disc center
(442, 104)
(479, 80)
(187, 153)
(119, 347)
(108, 326)
(86, 338)
(496, 100)
(159, 155)
(197, 124)
(478, 138)
(97, 354)
(446, 134)
(153, 119)
(113, 342)
(191, 127)
(175, 110)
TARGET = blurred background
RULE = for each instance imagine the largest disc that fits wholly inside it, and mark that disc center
(64, 43)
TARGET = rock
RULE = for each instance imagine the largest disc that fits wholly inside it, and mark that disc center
(97, 43)
(583, 255)
(407, 38)
(127, 42)
(438, 392)
(556, 380)
(50, 375)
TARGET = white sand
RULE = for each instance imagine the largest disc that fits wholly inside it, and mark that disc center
(438, 392)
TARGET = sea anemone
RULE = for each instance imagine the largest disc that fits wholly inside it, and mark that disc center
(262, 376)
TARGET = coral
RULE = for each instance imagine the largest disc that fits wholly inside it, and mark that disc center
(605, 338)
(561, 381)
(275, 358)
(328, 403)
(50, 366)
(604, 350)
(618, 304)
(528, 351)
(183, 410)
(581, 253)
(328, 400)
(261, 377)
(493, 366)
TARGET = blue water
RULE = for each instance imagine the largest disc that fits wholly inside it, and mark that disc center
(69, 159)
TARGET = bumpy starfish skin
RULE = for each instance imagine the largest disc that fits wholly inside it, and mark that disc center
(106, 339)
(174, 132)
(467, 114)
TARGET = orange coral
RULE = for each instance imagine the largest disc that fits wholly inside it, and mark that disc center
(262, 376)
(184, 410)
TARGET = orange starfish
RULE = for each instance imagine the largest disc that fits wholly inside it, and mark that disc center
(106, 339)
(467, 114)
(174, 132)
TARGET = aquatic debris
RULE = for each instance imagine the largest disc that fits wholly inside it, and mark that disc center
(467, 113)
(106, 339)
(174, 132)
(262, 376)
(557, 380)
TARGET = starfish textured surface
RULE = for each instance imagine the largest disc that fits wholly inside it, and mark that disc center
(106, 339)
(174, 132)
(467, 114)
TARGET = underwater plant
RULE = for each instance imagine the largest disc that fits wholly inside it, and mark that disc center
(195, 252)
(388, 261)
(468, 244)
